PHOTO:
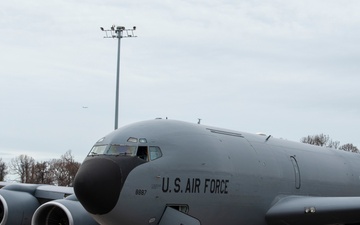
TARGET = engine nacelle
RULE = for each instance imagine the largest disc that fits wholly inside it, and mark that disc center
(64, 211)
(17, 204)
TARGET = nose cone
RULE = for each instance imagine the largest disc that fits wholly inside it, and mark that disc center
(100, 179)
(98, 184)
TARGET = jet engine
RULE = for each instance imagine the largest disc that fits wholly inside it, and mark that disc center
(17, 204)
(66, 211)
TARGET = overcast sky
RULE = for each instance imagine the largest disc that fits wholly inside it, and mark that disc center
(286, 68)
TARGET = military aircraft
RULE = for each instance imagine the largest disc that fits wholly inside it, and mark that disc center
(167, 172)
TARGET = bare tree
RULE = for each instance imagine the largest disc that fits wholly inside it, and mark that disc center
(56, 171)
(64, 169)
(23, 166)
(349, 148)
(42, 174)
(3, 170)
(320, 140)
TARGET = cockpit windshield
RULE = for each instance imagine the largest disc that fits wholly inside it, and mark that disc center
(113, 150)
(122, 150)
(98, 150)
(148, 153)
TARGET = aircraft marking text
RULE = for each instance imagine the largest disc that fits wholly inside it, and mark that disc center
(140, 192)
(194, 185)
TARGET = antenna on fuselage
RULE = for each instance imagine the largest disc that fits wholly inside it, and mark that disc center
(268, 138)
(199, 120)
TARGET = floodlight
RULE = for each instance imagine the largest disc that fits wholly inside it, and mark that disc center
(121, 32)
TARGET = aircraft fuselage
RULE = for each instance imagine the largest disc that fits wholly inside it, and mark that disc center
(214, 175)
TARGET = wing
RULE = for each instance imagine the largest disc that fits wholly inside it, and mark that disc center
(297, 210)
(25, 204)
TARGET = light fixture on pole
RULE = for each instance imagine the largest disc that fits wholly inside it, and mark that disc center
(118, 32)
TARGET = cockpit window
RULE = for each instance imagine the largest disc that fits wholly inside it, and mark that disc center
(155, 152)
(148, 153)
(132, 139)
(98, 150)
(113, 150)
(122, 150)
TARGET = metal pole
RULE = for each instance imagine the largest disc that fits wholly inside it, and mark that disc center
(109, 33)
(117, 81)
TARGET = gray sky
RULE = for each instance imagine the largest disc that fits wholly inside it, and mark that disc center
(286, 68)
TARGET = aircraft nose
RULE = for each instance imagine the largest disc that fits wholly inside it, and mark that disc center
(97, 185)
(99, 181)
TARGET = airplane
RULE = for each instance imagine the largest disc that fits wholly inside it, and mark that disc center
(169, 172)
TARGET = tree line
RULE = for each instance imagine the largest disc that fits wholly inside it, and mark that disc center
(59, 172)
(324, 140)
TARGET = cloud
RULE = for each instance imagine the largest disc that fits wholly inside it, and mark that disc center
(287, 68)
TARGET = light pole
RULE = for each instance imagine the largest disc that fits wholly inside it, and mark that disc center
(118, 32)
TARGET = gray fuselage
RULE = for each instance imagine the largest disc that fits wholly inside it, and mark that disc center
(220, 176)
